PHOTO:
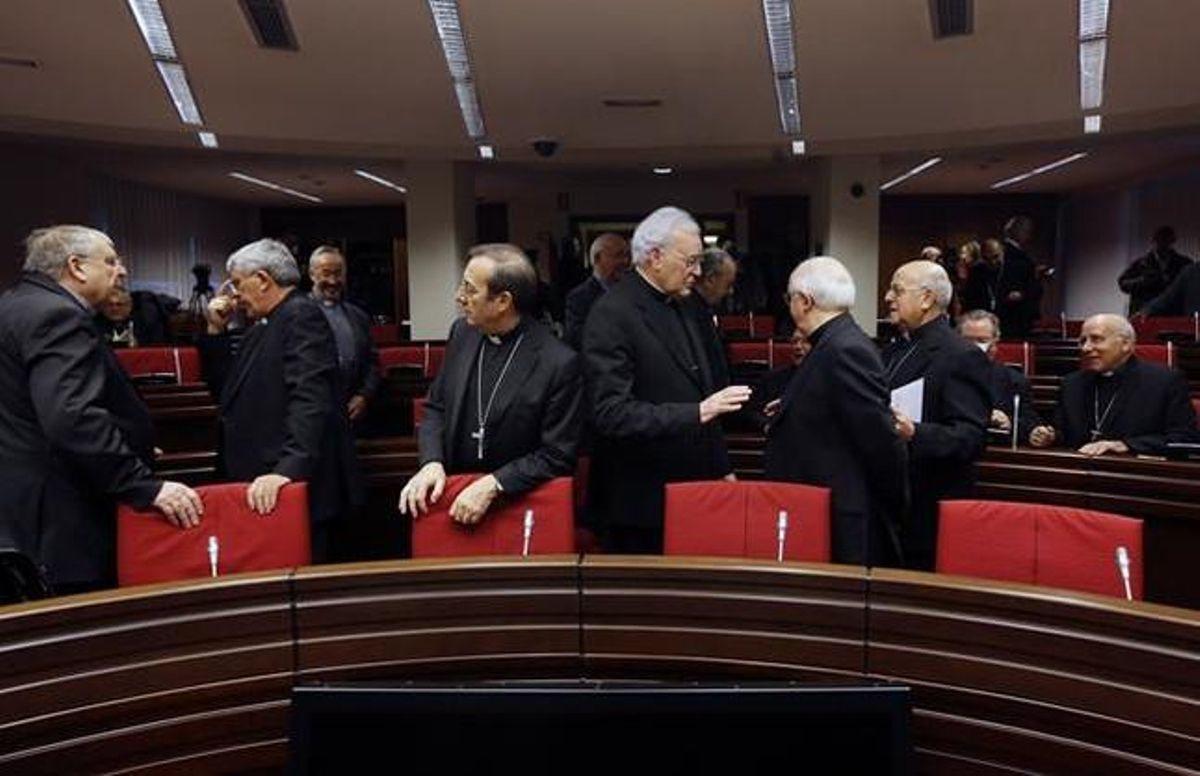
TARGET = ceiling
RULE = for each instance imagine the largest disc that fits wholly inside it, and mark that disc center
(369, 87)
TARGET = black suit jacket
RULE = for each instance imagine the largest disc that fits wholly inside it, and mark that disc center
(714, 344)
(1149, 276)
(281, 407)
(834, 429)
(366, 378)
(74, 434)
(1150, 409)
(535, 422)
(645, 392)
(953, 429)
(579, 302)
(1005, 382)
(1018, 274)
(1182, 297)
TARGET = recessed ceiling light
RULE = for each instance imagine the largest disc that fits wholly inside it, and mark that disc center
(663, 170)
(207, 139)
(1039, 170)
(381, 181)
(710, 240)
(458, 60)
(486, 152)
(273, 186)
(1091, 125)
(798, 148)
(920, 168)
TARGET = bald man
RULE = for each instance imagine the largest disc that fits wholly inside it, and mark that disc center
(956, 401)
(609, 254)
(1117, 403)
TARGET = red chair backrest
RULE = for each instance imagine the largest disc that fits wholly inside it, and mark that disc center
(741, 519)
(749, 325)
(1039, 544)
(385, 333)
(149, 549)
(1148, 329)
(426, 355)
(1156, 354)
(1018, 354)
(182, 363)
(749, 353)
(501, 532)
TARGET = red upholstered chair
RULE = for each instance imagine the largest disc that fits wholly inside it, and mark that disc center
(738, 325)
(1039, 544)
(385, 333)
(1149, 329)
(149, 549)
(749, 353)
(1157, 354)
(1018, 354)
(501, 532)
(181, 364)
(781, 354)
(401, 355)
(741, 519)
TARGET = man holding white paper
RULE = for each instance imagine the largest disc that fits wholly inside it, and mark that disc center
(941, 381)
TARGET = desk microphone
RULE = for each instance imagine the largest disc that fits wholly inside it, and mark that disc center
(1016, 414)
(1123, 567)
(527, 532)
(213, 551)
(782, 526)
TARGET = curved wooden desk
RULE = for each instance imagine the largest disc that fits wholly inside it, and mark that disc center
(195, 678)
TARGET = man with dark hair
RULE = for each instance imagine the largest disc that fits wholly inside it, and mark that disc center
(74, 434)
(508, 399)
(1019, 297)
(1005, 382)
(357, 357)
(718, 273)
(282, 418)
(609, 255)
(1152, 274)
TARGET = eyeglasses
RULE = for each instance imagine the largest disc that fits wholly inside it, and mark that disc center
(690, 262)
(898, 290)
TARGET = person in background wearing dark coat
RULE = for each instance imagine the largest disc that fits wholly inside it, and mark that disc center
(1006, 382)
(136, 320)
(718, 273)
(834, 426)
(956, 402)
(508, 401)
(1019, 301)
(653, 393)
(1117, 403)
(282, 417)
(357, 356)
(609, 255)
(1152, 274)
(75, 436)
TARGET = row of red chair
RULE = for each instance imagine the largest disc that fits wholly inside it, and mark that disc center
(748, 325)
(427, 356)
(1146, 328)
(181, 365)
(1029, 543)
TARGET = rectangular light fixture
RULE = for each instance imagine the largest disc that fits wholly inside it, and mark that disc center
(486, 151)
(181, 94)
(381, 181)
(1092, 54)
(1091, 125)
(153, 25)
(777, 15)
(1093, 19)
(273, 186)
(1039, 170)
(798, 148)
(207, 139)
(458, 62)
(920, 168)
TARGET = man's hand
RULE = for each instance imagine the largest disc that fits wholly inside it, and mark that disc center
(1015, 296)
(1104, 446)
(1000, 420)
(474, 501)
(903, 425)
(356, 406)
(218, 313)
(263, 493)
(179, 504)
(423, 490)
(1042, 436)
(724, 401)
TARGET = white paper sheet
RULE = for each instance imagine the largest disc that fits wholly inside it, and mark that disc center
(910, 398)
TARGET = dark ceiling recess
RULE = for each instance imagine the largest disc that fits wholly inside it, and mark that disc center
(14, 61)
(952, 17)
(633, 102)
(269, 21)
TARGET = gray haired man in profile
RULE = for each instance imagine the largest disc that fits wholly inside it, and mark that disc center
(281, 410)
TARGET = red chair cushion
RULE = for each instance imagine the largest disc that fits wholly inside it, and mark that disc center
(1155, 354)
(749, 353)
(1019, 354)
(1077, 550)
(183, 363)
(741, 519)
(987, 539)
(149, 549)
(501, 532)
(426, 355)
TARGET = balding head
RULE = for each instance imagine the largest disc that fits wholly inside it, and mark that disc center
(609, 254)
(920, 292)
(1106, 341)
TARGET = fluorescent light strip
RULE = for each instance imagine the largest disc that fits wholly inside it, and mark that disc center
(663, 170)
(1039, 170)
(153, 25)
(1091, 125)
(176, 82)
(1093, 52)
(273, 186)
(207, 139)
(381, 181)
(920, 168)
(458, 62)
(1093, 19)
(777, 15)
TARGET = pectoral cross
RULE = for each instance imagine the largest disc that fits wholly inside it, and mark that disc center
(478, 437)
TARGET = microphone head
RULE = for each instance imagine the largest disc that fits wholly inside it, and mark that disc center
(212, 544)
(1123, 557)
(783, 518)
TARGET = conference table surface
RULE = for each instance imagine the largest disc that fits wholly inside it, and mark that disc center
(195, 677)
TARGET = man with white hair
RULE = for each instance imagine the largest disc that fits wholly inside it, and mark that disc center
(282, 415)
(609, 254)
(834, 427)
(1117, 403)
(74, 434)
(654, 396)
(951, 431)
